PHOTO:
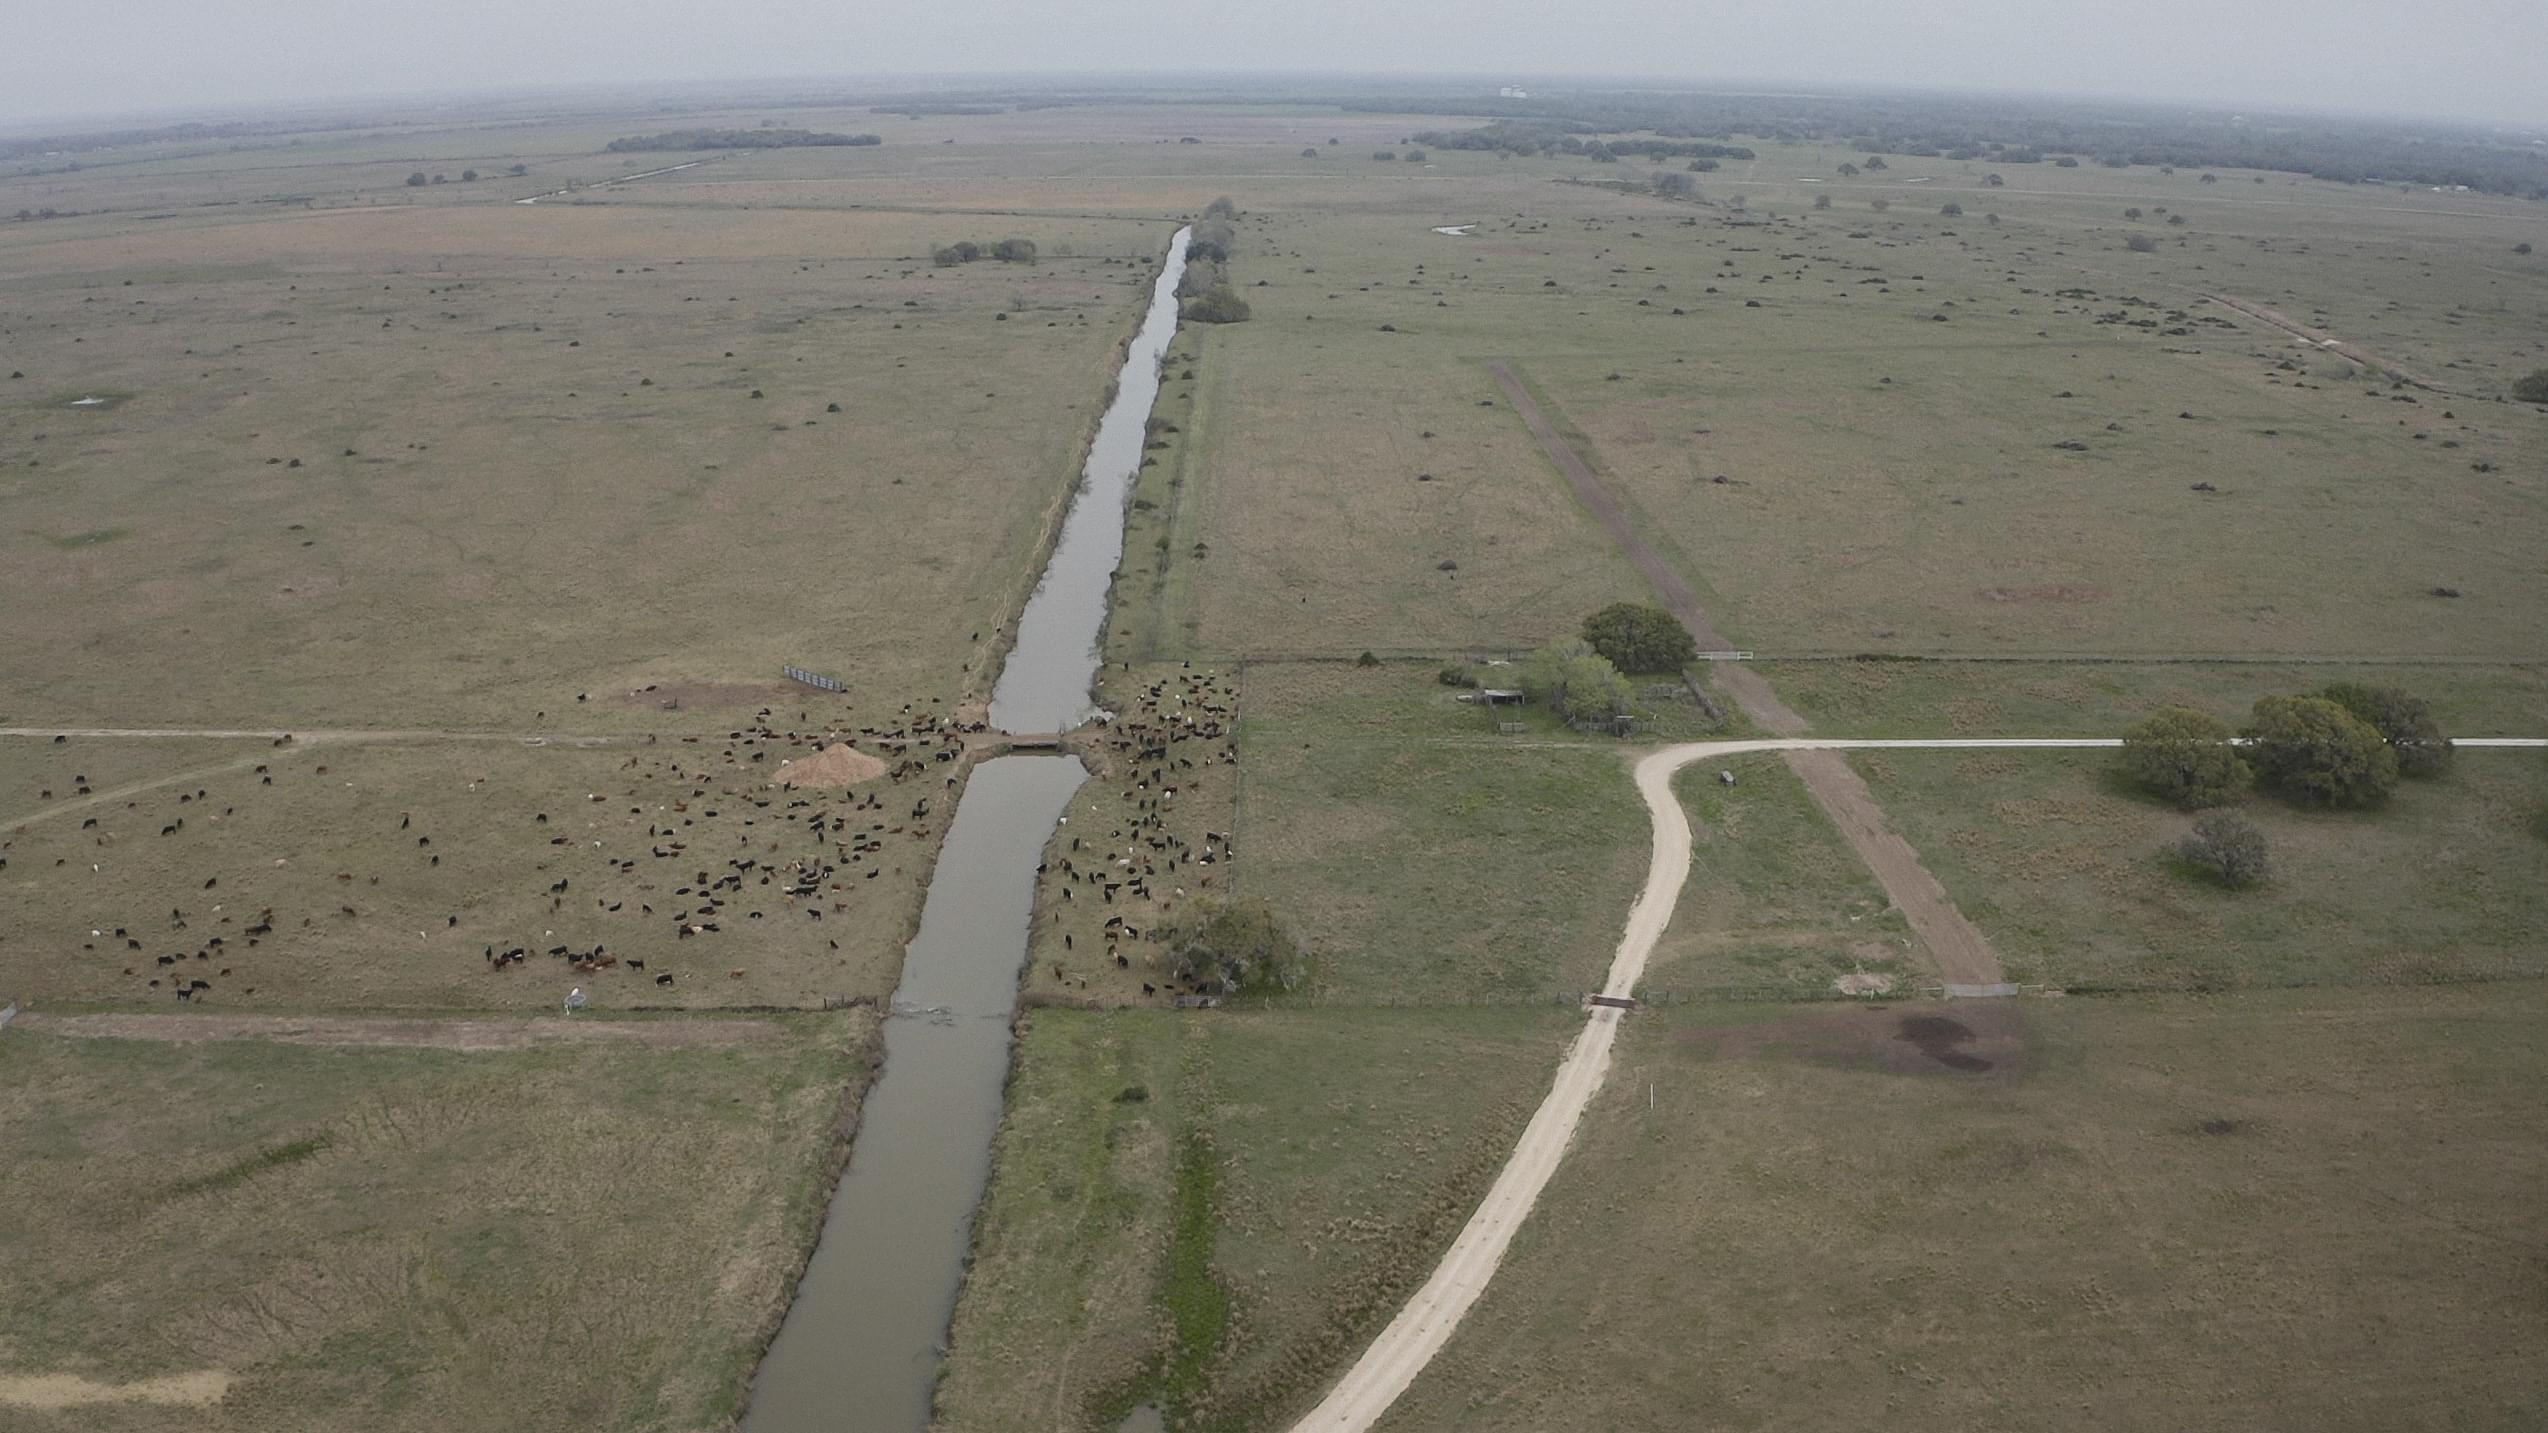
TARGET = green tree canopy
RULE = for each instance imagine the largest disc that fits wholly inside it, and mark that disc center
(2183, 756)
(1234, 946)
(2312, 750)
(2404, 721)
(1640, 637)
(1580, 683)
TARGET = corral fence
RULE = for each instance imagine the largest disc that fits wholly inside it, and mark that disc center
(814, 679)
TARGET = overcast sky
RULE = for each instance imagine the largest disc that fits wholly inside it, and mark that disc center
(2481, 60)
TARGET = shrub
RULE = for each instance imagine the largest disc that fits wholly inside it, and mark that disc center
(1234, 946)
(1640, 637)
(1220, 208)
(1014, 251)
(2134, 213)
(2183, 756)
(2532, 387)
(2141, 244)
(1386, 155)
(2312, 750)
(2227, 846)
(1951, 209)
(1455, 675)
(417, 180)
(1415, 156)
(1217, 305)
(1822, 201)
(2404, 721)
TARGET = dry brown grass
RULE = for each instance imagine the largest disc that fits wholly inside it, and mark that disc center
(2284, 1210)
(586, 1237)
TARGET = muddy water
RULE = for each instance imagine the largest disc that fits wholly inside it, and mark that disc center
(1045, 685)
(860, 1347)
(861, 1344)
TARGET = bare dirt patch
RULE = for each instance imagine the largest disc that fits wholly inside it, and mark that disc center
(69, 1390)
(1971, 1037)
(2046, 592)
(710, 696)
(839, 764)
(467, 1035)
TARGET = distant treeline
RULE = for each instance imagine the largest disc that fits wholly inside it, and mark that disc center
(2000, 131)
(1554, 137)
(918, 111)
(736, 139)
(114, 138)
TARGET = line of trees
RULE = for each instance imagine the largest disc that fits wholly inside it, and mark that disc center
(965, 251)
(1205, 294)
(735, 139)
(2346, 744)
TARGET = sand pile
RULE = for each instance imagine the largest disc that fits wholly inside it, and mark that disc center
(839, 764)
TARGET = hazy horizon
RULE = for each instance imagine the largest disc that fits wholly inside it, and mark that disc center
(2469, 61)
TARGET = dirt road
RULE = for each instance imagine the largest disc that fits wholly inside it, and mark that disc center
(1958, 950)
(2317, 338)
(1427, 1321)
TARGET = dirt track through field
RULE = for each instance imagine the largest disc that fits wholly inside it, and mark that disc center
(384, 1032)
(1957, 948)
(2316, 338)
(1425, 1324)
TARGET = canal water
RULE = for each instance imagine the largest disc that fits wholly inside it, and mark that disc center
(860, 1348)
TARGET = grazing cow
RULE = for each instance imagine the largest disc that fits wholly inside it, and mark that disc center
(665, 979)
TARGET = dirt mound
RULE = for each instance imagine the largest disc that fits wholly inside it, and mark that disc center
(839, 765)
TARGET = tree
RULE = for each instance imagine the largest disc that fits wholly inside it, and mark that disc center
(1389, 156)
(2533, 388)
(2133, 213)
(1415, 156)
(2183, 756)
(1312, 153)
(1640, 637)
(1677, 186)
(1848, 171)
(1822, 201)
(468, 176)
(1234, 946)
(1577, 681)
(1014, 251)
(1217, 304)
(1951, 209)
(2228, 846)
(417, 180)
(2403, 720)
(1875, 161)
(1221, 208)
(2142, 244)
(2522, 248)
(2312, 750)
(1992, 181)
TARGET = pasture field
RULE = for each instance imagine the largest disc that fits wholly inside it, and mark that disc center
(1211, 1211)
(1882, 394)
(345, 876)
(1776, 903)
(464, 465)
(2069, 872)
(2289, 1209)
(1420, 856)
(585, 1236)
(1937, 699)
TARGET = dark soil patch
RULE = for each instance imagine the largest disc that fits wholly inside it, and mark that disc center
(1969, 1037)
